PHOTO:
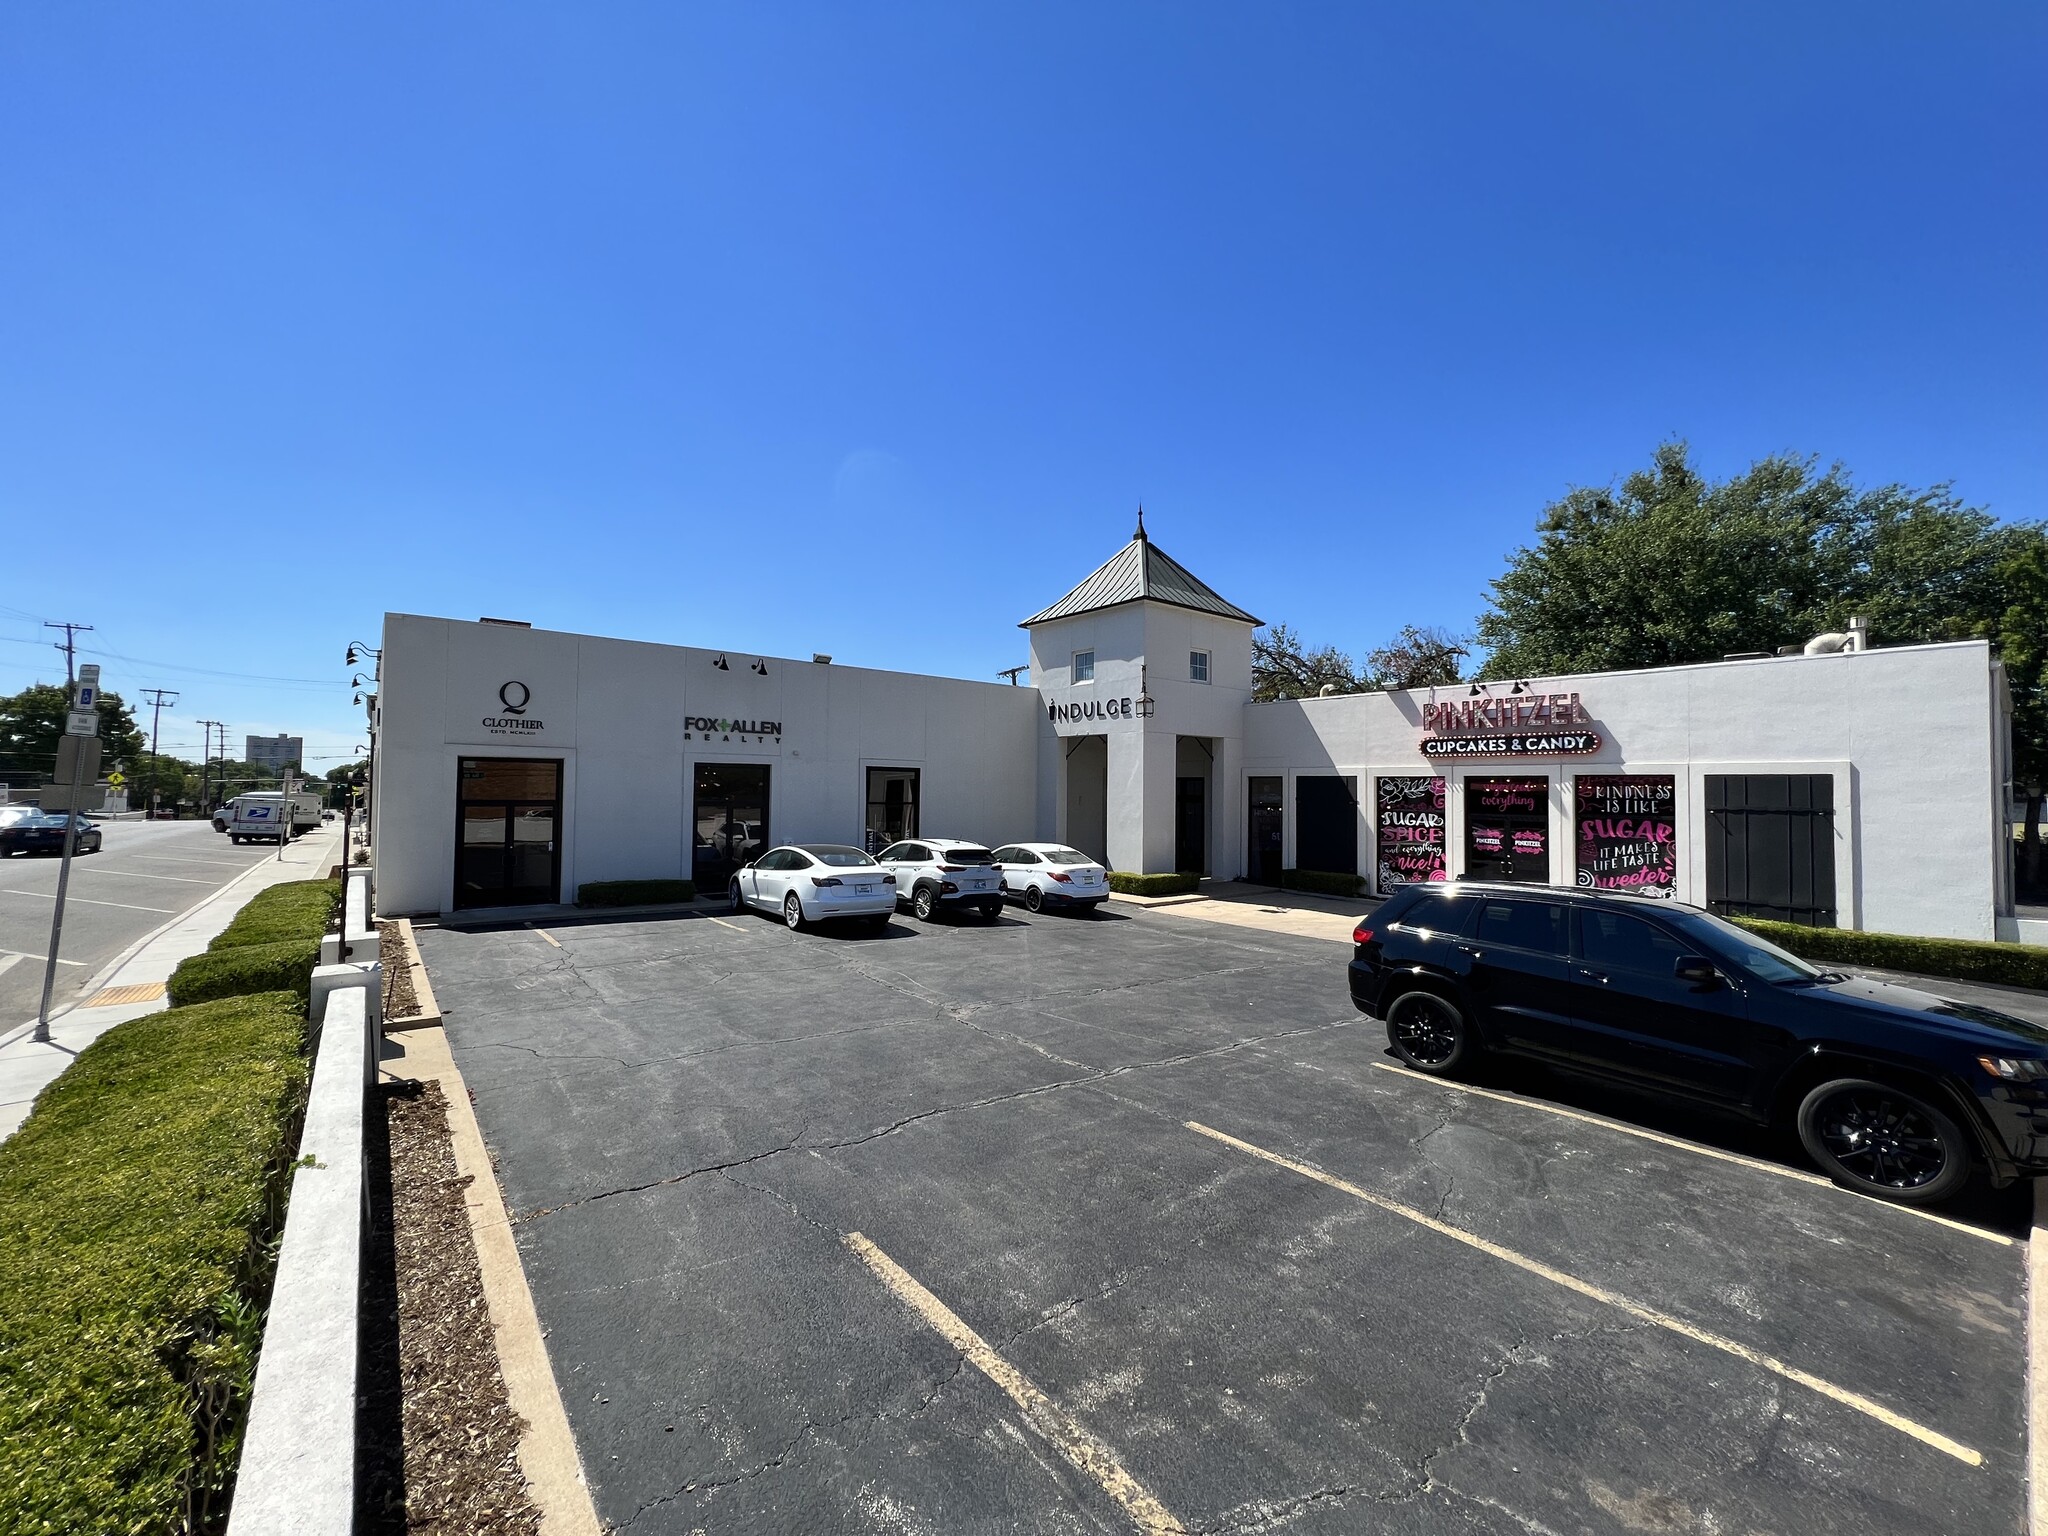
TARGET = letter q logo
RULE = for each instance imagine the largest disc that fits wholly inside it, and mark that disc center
(514, 697)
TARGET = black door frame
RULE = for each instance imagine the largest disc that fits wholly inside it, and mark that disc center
(767, 801)
(554, 886)
(1252, 811)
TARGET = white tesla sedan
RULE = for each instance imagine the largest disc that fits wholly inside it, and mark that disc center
(1045, 875)
(815, 882)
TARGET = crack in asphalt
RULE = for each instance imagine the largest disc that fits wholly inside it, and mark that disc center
(1084, 1081)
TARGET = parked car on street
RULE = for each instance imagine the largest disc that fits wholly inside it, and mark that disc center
(1051, 875)
(25, 829)
(1894, 1091)
(815, 882)
(936, 874)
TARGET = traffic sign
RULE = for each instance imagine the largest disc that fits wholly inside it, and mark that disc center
(58, 797)
(116, 779)
(82, 722)
(70, 769)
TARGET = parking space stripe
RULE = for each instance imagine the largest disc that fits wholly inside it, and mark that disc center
(1696, 1147)
(735, 927)
(1635, 1309)
(546, 935)
(126, 906)
(1081, 1450)
(137, 874)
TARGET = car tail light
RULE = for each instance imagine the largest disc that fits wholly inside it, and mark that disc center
(952, 869)
(1361, 934)
(1063, 879)
(948, 888)
(821, 881)
(888, 879)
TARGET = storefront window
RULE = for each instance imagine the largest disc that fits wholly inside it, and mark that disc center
(1507, 829)
(1408, 824)
(1628, 832)
(892, 806)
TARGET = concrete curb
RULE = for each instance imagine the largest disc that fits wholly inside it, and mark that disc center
(2037, 1365)
(422, 988)
(547, 1451)
(297, 1475)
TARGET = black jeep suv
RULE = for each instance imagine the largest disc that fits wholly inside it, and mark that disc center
(1894, 1091)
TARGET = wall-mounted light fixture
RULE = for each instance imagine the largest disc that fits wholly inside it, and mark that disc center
(1146, 706)
(1477, 689)
(719, 662)
(760, 667)
(821, 658)
(1520, 687)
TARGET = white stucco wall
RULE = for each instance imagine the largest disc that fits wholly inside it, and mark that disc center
(1906, 732)
(614, 712)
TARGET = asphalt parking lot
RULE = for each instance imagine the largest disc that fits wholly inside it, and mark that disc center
(1126, 1223)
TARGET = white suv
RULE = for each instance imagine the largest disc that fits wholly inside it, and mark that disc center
(1045, 875)
(936, 872)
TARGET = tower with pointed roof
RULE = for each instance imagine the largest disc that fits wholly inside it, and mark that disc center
(1144, 670)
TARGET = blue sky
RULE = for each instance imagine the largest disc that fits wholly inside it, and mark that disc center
(865, 329)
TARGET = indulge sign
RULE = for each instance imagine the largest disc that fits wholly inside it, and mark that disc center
(1520, 725)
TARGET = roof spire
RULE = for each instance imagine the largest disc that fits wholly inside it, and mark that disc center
(1139, 536)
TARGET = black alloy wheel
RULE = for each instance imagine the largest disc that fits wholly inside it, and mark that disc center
(1428, 1033)
(1034, 898)
(925, 904)
(733, 898)
(1884, 1141)
(991, 910)
(792, 912)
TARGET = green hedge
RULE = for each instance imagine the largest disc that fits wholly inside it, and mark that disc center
(1321, 881)
(298, 909)
(2012, 965)
(142, 1198)
(1152, 885)
(246, 968)
(634, 893)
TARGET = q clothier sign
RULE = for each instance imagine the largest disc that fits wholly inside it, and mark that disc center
(513, 699)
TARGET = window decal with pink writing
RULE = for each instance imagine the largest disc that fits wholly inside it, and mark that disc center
(1408, 816)
(1628, 833)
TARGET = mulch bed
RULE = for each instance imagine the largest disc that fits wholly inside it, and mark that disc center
(400, 1001)
(437, 1439)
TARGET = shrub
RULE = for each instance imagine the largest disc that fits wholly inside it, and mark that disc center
(298, 909)
(2012, 965)
(634, 893)
(1321, 881)
(246, 969)
(142, 1197)
(1152, 885)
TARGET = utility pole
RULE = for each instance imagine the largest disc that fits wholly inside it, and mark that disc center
(206, 763)
(69, 646)
(159, 699)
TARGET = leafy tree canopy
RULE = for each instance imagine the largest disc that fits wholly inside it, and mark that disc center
(1283, 667)
(1672, 567)
(33, 719)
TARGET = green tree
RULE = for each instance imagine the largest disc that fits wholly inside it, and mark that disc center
(1417, 658)
(2021, 631)
(1284, 668)
(162, 781)
(32, 720)
(340, 780)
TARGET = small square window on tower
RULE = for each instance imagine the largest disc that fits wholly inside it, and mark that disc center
(1084, 666)
(1198, 666)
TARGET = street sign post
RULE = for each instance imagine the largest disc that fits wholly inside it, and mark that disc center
(81, 745)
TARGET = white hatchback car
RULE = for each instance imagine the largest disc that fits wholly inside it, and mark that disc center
(1045, 875)
(815, 882)
(933, 873)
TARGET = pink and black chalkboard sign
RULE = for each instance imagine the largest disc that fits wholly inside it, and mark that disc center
(1628, 832)
(1408, 815)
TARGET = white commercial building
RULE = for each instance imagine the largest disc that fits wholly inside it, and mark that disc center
(1867, 788)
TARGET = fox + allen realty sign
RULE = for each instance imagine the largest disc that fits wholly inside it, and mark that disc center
(1520, 725)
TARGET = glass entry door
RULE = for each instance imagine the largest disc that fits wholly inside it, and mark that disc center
(729, 817)
(1507, 830)
(892, 806)
(1262, 831)
(508, 849)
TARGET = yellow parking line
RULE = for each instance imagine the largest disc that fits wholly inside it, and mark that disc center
(1635, 1309)
(735, 927)
(1693, 1146)
(1081, 1449)
(546, 935)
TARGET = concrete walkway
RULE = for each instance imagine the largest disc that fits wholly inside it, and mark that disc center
(26, 1068)
(1266, 908)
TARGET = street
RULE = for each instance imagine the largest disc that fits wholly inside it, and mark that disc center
(147, 873)
(1070, 1224)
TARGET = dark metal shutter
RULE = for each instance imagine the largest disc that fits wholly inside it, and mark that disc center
(1771, 846)
(1326, 823)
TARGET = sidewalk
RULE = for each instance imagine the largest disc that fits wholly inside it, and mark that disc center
(26, 1068)
(1265, 907)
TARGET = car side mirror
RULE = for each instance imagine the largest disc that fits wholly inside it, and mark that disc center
(1696, 969)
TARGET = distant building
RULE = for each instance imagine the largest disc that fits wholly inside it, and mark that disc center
(275, 752)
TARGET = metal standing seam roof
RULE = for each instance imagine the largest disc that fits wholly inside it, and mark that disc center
(1141, 571)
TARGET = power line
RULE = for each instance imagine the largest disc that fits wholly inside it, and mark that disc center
(69, 648)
